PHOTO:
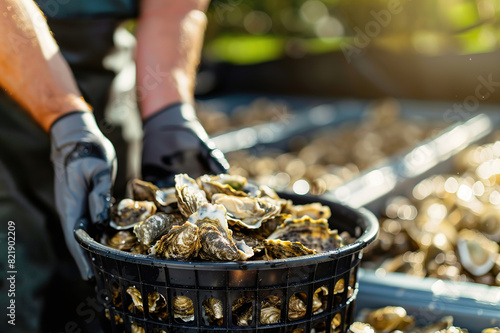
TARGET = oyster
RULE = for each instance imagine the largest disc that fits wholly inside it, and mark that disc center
(270, 225)
(313, 210)
(157, 305)
(122, 240)
(181, 242)
(242, 311)
(339, 287)
(227, 184)
(183, 308)
(277, 249)
(134, 328)
(358, 327)
(477, 253)
(136, 300)
(320, 299)
(247, 212)
(189, 195)
(215, 237)
(130, 212)
(297, 306)
(270, 312)
(139, 248)
(389, 319)
(313, 234)
(251, 238)
(155, 226)
(215, 311)
(118, 319)
(163, 198)
(335, 324)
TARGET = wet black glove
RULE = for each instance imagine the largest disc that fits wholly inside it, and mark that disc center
(175, 142)
(85, 169)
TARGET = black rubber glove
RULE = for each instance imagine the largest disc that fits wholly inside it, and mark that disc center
(85, 169)
(175, 142)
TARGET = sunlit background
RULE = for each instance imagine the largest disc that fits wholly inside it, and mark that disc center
(429, 49)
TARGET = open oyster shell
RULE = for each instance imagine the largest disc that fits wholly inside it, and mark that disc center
(247, 212)
(313, 210)
(227, 184)
(313, 234)
(130, 212)
(477, 253)
(164, 198)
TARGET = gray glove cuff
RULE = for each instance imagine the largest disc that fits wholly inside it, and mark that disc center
(73, 127)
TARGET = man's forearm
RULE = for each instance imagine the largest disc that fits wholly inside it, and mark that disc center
(32, 68)
(170, 37)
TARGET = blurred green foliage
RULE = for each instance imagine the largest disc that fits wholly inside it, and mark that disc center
(250, 31)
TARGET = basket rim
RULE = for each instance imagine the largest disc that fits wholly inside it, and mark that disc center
(362, 214)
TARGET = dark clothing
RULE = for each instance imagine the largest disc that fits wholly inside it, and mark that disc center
(49, 290)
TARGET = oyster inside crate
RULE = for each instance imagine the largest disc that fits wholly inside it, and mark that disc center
(146, 292)
(319, 159)
(448, 225)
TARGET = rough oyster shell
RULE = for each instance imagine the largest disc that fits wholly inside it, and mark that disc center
(270, 312)
(313, 234)
(189, 195)
(215, 237)
(215, 311)
(183, 308)
(297, 306)
(247, 212)
(130, 212)
(242, 311)
(181, 242)
(320, 300)
(155, 226)
(313, 210)
(278, 249)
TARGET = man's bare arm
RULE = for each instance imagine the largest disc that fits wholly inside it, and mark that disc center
(170, 37)
(32, 68)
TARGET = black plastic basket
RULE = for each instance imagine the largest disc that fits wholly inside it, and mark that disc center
(115, 271)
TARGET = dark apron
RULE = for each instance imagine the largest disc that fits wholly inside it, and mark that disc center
(49, 291)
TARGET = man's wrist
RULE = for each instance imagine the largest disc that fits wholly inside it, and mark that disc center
(62, 108)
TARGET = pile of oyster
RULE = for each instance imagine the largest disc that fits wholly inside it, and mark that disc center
(327, 158)
(449, 228)
(261, 110)
(217, 218)
(396, 319)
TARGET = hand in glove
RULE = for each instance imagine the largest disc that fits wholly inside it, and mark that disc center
(175, 142)
(85, 168)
